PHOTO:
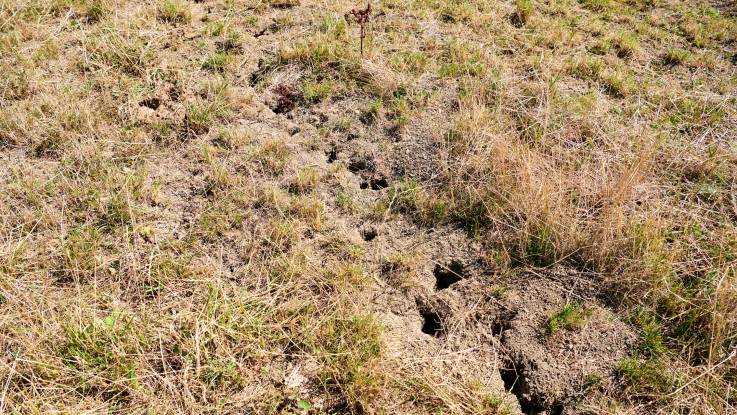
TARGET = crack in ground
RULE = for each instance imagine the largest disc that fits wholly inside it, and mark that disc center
(515, 376)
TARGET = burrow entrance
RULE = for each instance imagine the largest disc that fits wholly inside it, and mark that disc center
(361, 163)
(432, 324)
(449, 274)
(332, 154)
(369, 233)
(514, 382)
(375, 184)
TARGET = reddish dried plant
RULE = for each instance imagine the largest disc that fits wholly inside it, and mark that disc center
(285, 99)
(361, 18)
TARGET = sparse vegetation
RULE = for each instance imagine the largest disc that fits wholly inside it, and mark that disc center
(676, 56)
(231, 207)
(570, 317)
(524, 11)
(362, 18)
(175, 11)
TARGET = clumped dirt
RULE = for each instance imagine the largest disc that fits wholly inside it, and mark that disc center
(548, 371)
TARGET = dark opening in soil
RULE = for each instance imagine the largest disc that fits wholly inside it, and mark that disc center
(359, 164)
(503, 322)
(432, 324)
(261, 32)
(514, 382)
(369, 234)
(228, 46)
(378, 184)
(447, 275)
(375, 184)
(332, 154)
(152, 103)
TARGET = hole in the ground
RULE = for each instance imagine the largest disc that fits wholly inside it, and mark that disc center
(511, 379)
(375, 184)
(503, 322)
(261, 32)
(449, 274)
(389, 267)
(332, 154)
(369, 233)
(514, 382)
(228, 46)
(432, 324)
(153, 103)
(361, 164)
(378, 184)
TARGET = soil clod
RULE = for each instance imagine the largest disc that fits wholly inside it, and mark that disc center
(447, 275)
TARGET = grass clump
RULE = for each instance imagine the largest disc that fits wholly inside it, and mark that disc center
(587, 67)
(217, 61)
(87, 11)
(460, 59)
(82, 251)
(618, 83)
(523, 12)
(626, 44)
(571, 317)
(653, 342)
(208, 109)
(676, 56)
(413, 62)
(123, 50)
(272, 156)
(103, 351)
(350, 350)
(174, 11)
(596, 5)
(648, 377)
(306, 180)
(316, 91)
(410, 198)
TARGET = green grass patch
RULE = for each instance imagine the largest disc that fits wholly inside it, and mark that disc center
(174, 11)
(571, 317)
